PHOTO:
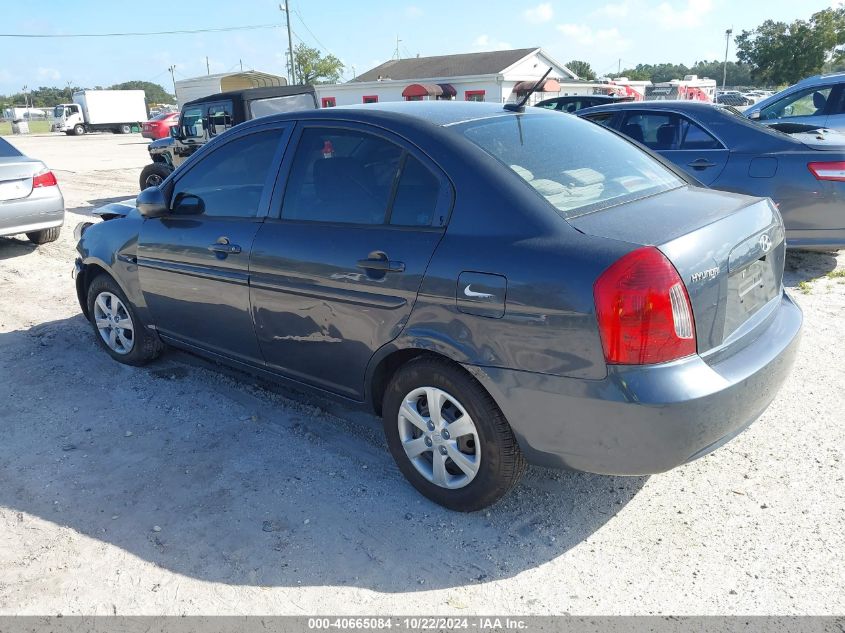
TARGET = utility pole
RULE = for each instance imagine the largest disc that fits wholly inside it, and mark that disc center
(619, 68)
(173, 77)
(285, 9)
(728, 34)
(242, 64)
(396, 52)
(207, 66)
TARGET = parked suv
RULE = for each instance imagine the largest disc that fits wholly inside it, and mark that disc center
(818, 100)
(205, 118)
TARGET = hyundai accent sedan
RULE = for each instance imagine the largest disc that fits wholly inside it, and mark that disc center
(502, 287)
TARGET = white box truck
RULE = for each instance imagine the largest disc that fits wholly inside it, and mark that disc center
(99, 110)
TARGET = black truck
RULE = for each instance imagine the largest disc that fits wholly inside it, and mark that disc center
(203, 119)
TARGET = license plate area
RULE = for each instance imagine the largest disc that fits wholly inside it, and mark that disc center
(749, 290)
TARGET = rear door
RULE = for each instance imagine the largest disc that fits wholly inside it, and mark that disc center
(193, 264)
(334, 275)
(680, 140)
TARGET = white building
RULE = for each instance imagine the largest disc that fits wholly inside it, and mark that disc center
(497, 76)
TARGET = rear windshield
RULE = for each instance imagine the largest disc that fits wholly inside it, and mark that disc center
(6, 150)
(279, 105)
(577, 166)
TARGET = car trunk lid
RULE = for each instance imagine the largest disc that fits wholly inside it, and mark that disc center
(728, 249)
(16, 174)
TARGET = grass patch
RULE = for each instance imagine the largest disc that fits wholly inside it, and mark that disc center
(805, 287)
(35, 127)
(836, 274)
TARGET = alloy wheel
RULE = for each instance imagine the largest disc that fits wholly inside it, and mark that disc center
(114, 323)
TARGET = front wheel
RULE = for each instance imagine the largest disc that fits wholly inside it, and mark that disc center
(117, 326)
(125, 129)
(79, 129)
(154, 174)
(449, 437)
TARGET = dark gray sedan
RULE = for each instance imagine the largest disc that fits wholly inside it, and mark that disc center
(803, 172)
(501, 287)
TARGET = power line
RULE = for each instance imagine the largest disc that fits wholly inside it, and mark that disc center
(141, 33)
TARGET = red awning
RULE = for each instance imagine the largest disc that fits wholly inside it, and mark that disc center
(422, 90)
(550, 85)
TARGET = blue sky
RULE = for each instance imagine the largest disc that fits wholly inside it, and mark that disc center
(363, 34)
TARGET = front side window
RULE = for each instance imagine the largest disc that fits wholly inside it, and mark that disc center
(809, 102)
(192, 122)
(219, 118)
(341, 176)
(228, 182)
(577, 167)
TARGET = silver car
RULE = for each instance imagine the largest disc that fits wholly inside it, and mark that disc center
(30, 199)
(817, 101)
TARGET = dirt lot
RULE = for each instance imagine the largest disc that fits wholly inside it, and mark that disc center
(186, 488)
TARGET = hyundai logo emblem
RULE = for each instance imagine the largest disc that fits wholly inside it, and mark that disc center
(765, 243)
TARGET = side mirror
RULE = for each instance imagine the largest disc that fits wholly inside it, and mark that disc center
(175, 131)
(151, 203)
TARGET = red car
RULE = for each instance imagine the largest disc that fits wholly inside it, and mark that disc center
(159, 126)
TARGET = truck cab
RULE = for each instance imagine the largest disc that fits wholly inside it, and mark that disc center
(66, 116)
(202, 119)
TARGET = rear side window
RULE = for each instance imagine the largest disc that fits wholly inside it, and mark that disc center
(577, 167)
(278, 105)
(341, 176)
(416, 195)
(655, 130)
(695, 137)
(229, 182)
(603, 118)
(7, 150)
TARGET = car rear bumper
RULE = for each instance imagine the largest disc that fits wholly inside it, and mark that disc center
(644, 420)
(38, 211)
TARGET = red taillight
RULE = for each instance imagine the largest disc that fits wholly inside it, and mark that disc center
(44, 179)
(828, 171)
(643, 310)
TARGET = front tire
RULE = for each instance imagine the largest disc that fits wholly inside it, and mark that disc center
(78, 129)
(154, 174)
(449, 437)
(125, 129)
(117, 327)
(45, 235)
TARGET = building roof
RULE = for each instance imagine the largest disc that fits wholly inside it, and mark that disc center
(460, 65)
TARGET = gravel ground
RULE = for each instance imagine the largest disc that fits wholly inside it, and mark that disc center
(186, 488)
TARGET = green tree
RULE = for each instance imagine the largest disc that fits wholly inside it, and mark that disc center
(781, 53)
(582, 69)
(153, 93)
(314, 68)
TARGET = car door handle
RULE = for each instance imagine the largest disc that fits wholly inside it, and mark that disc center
(386, 265)
(225, 248)
(701, 163)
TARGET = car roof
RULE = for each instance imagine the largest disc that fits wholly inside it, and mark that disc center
(437, 113)
(823, 80)
(675, 105)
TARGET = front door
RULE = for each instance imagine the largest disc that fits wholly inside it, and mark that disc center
(194, 263)
(334, 277)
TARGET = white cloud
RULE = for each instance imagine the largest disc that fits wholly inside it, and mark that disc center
(413, 12)
(691, 16)
(48, 73)
(586, 35)
(614, 11)
(485, 42)
(540, 14)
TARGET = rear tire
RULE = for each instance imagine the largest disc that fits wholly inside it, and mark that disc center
(45, 235)
(117, 326)
(78, 129)
(154, 174)
(492, 461)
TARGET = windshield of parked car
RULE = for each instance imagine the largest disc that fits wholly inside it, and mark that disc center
(578, 167)
(7, 150)
(59, 112)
